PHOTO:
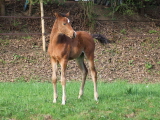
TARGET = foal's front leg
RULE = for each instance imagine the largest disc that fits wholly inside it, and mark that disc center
(63, 64)
(54, 79)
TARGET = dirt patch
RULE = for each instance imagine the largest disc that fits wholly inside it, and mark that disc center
(128, 57)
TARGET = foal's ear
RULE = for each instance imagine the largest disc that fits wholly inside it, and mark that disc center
(56, 14)
(67, 14)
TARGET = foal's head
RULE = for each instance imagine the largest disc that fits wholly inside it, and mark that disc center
(64, 26)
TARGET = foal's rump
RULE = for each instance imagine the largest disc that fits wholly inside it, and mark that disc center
(85, 39)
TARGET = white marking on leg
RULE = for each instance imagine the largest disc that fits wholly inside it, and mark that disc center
(63, 95)
(55, 94)
(80, 93)
(95, 92)
(94, 78)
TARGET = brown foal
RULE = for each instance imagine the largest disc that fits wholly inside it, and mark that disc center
(66, 44)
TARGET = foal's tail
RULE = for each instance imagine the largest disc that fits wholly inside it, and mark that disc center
(101, 38)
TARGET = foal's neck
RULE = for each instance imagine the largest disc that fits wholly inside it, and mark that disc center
(54, 33)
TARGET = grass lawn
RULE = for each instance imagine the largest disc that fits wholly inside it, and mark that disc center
(117, 101)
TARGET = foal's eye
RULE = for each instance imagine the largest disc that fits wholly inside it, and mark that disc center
(64, 23)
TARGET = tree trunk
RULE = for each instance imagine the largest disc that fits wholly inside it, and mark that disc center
(2, 7)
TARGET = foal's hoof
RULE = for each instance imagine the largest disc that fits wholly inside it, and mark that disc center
(54, 101)
(79, 97)
(96, 99)
(96, 96)
(63, 103)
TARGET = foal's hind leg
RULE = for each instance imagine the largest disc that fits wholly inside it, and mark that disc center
(93, 74)
(54, 79)
(82, 66)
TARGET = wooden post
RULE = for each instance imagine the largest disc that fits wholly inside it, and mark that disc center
(42, 23)
(30, 7)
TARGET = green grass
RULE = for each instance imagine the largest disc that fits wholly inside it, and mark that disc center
(152, 31)
(117, 101)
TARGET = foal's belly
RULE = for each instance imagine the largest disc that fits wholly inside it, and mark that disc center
(75, 55)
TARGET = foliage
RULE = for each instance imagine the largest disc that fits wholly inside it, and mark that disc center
(152, 31)
(123, 31)
(131, 62)
(129, 7)
(88, 8)
(126, 8)
(148, 66)
(33, 100)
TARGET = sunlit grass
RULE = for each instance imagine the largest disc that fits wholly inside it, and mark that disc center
(118, 100)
